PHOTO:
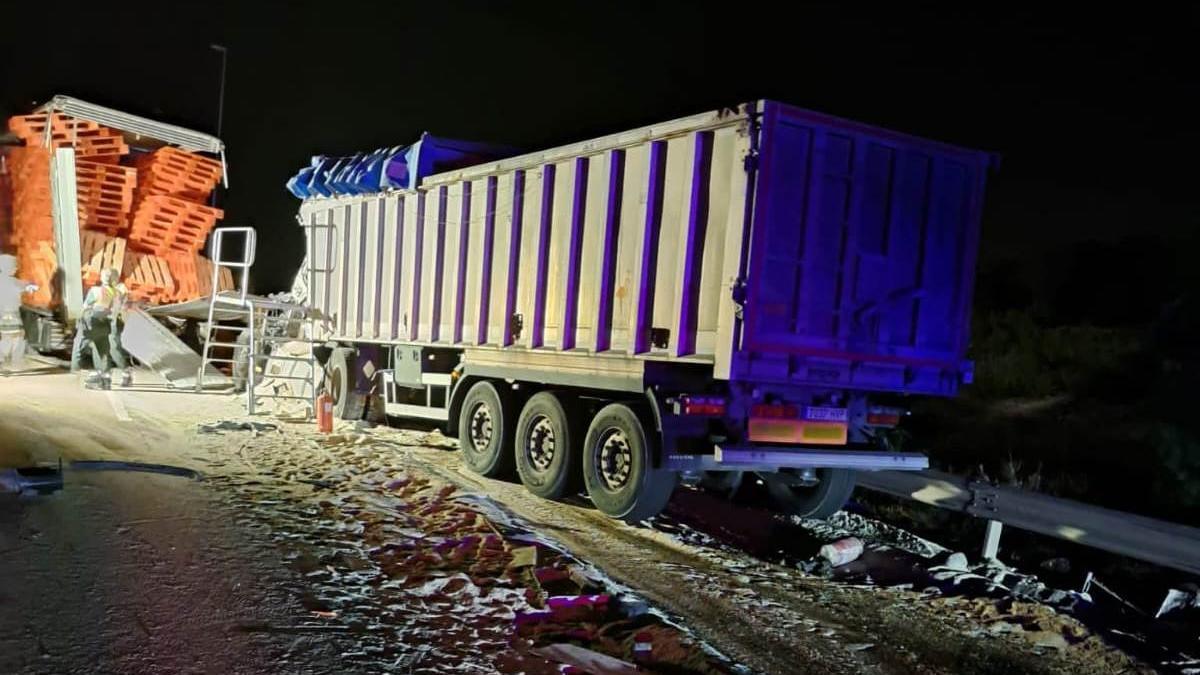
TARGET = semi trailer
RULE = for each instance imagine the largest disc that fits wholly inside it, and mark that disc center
(752, 291)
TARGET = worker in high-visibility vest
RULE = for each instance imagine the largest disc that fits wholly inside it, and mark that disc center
(12, 329)
(99, 325)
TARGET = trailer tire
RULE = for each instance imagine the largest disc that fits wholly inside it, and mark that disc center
(348, 402)
(484, 431)
(618, 467)
(820, 501)
(545, 447)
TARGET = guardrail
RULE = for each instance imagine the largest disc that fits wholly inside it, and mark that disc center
(1155, 541)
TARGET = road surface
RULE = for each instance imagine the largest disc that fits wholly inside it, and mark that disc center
(375, 551)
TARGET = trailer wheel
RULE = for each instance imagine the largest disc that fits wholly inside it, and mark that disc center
(619, 467)
(545, 447)
(348, 403)
(484, 431)
(827, 497)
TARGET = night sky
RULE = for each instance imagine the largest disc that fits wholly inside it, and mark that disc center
(1093, 114)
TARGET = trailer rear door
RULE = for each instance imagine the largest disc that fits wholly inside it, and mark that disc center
(862, 256)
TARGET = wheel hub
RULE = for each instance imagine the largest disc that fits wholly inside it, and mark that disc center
(481, 427)
(540, 445)
(614, 461)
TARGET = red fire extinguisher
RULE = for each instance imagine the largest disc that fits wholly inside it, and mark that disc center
(325, 413)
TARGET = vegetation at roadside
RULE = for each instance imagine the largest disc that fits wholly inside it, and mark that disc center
(1087, 373)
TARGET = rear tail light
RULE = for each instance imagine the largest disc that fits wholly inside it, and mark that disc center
(707, 406)
(880, 416)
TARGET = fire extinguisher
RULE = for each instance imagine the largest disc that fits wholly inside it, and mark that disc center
(325, 413)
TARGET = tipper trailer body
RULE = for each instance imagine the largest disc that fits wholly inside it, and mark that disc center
(745, 290)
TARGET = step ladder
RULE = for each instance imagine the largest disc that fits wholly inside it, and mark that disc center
(266, 322)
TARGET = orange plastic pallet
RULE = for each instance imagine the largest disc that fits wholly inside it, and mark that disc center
(100, 252)
(177, 173)
(148, 277)
(37, 263)
(29, 127)
(193, 276)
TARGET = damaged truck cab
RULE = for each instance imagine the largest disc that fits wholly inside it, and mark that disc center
(746, 291)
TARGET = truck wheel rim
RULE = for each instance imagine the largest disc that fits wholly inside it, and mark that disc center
(481, 427)
(614, 459)
(540, 446)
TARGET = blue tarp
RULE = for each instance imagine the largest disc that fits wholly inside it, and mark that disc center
(397, 167)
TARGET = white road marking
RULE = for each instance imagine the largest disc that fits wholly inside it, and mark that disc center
(118, 407)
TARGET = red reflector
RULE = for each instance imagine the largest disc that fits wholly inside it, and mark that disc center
(880, 416)
(710, 406)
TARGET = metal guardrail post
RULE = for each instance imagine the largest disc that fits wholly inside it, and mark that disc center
(991, 539)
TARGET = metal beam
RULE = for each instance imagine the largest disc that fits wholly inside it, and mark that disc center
(133, 124)
(830, 458)
(64, 209)
(1155, 541)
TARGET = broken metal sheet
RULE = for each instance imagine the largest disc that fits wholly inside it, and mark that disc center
(155, 346)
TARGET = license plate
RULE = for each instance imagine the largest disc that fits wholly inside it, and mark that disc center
(817, 414)
(824, 433)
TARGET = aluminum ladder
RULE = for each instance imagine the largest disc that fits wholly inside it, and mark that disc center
(260, 316)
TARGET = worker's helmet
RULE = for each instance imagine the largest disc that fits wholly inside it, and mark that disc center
(8, 265)
(109, 276)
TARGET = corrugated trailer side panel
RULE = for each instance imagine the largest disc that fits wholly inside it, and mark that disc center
(387, 288)
(505, 199)
(585, 252)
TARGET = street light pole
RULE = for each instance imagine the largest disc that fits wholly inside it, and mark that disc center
(212, 198)
(221, 96)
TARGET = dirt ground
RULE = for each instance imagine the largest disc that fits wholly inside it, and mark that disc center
(373, 550)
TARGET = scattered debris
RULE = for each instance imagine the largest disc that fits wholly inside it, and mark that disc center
(956, 562)
(39, 480)
(842, 551)
(1180, 605)
(585, 659)
(526, 556)
(233, 425)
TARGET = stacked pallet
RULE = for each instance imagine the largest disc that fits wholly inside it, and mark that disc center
(5, 202)
(148, 220)
(148, 278)
(100, 252)
(169, 211)
(162, 224)
(91, 141)
(105, 196)
(193, 275)
(37, 263)
(172, 172)
(32, 219)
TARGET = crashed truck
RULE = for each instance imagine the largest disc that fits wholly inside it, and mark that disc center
(85, 187)
(745, 294)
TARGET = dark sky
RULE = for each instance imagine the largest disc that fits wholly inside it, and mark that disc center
(1093, 113)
